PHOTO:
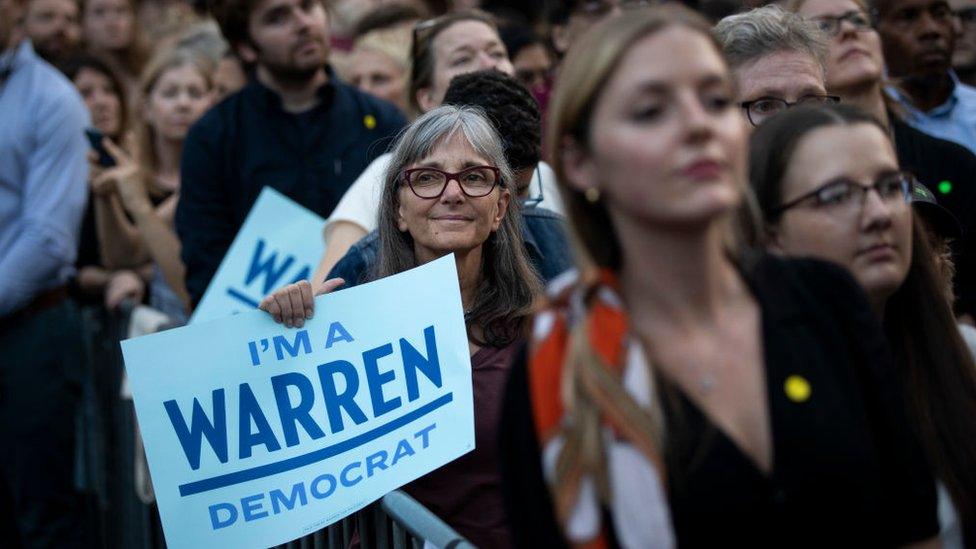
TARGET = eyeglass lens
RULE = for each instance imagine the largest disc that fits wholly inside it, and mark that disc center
(431, 182)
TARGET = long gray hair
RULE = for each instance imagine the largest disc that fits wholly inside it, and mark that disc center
(509, 284)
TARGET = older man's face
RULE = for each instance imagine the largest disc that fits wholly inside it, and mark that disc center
(790, 76)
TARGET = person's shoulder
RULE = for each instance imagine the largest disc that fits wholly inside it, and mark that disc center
(382, 111)
(50, 89)
(220, 117)
(966, 93)
(944, 148)
(802, 283)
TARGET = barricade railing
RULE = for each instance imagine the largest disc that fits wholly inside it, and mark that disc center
(111, 467)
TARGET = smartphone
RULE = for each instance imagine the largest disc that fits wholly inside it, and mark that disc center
(105, 160)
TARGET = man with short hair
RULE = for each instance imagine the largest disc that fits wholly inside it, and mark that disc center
(918, 38)
(53, 28)
(777, 58)
(43, 186)
(295, 127)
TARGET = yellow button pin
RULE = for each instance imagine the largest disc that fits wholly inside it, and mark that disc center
(369, 121)
(797, 388)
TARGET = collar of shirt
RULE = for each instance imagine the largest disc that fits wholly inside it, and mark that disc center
(13, 58)
(270, 98)
(941, 111)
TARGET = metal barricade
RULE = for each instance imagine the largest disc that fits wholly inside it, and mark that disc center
(396, 521)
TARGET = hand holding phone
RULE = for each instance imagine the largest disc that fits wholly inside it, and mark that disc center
(95, 137)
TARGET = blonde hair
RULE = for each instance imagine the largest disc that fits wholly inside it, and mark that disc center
(586, 69)
(590, 392)
(141, 131)
(392, 42)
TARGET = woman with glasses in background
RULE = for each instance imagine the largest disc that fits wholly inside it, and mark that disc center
(829, 186)
(448, 189)
(855, 72)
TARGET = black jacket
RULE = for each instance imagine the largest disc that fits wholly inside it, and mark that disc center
(248, 141)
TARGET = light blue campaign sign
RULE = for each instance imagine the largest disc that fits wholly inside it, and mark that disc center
(257, 434)
(279, 243)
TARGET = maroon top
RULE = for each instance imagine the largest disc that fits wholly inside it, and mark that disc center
(466, 493)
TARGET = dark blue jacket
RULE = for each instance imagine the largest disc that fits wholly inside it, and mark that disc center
(543, 231)
(248, 141)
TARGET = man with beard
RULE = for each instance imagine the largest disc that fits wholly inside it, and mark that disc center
(43, 185)
(295, 127)
(918, 38)
(53, 28)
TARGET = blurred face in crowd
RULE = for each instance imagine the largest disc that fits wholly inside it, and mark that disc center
(870, 233)
(918, 37)
(108, 24)
(454, 221)
(584, 14)
(176, 100)
(466, 46)
(289, 38)
(53, 27)
(854, 58)
(229, 77)
(667, 145)
(10, 12)
(532, 66)
(964, 56)
(378, 74)
(102, 99)
(785, 76)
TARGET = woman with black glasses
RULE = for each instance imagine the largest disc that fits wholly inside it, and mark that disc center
(829, 185)
(855, 72)
(449, 190)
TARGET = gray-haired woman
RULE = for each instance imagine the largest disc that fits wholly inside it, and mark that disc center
(449, 190)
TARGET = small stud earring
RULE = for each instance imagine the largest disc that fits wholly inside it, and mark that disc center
(592, 195)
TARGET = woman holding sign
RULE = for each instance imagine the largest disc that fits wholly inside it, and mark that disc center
(449, 190)
(682, 390)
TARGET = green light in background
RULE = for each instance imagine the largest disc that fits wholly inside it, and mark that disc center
(945, 187)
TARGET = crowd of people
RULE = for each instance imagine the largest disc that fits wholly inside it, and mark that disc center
(717, 259)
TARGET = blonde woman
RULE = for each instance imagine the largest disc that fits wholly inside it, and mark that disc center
(681, 391)
(379, 64)
(135, 222)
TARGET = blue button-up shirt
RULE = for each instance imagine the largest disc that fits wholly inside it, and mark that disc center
(43, 177)
(954, 120)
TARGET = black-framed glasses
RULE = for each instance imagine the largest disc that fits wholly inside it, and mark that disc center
(760, 109)
(475, 182)
(846, 197)
(831, 24)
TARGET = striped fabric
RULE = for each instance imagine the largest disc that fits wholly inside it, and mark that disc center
(583, 365)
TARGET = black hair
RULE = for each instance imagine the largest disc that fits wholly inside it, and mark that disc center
(386, 16)
(73, 65)
(774, 142)
(935, 365)
(518, 37)
(510, 107)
